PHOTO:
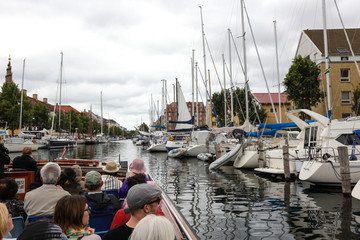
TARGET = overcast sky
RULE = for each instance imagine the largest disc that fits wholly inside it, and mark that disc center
(124, 48)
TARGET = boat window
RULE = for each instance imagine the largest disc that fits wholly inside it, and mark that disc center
(306, 138)
(347, 139)
(313, 136)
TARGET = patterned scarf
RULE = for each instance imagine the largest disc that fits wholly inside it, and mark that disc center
(75, 233)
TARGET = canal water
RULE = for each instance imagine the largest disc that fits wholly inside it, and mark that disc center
(236, 204)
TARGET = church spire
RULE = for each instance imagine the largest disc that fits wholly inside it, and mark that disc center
(8, 77)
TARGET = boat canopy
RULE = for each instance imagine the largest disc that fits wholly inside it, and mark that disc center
(278, 126)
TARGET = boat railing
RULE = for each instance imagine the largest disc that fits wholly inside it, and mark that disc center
(321, 154)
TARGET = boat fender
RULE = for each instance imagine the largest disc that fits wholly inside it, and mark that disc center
(171, 138)
(326, 156)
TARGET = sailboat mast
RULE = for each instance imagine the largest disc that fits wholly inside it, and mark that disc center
(197, 95)
(245, 64)
(22, 94)
(205, 71)
(223, 58)
(61, 69)
(101, 113)
(328, 93)
(277, 69)
(231, 83)
(192, 83)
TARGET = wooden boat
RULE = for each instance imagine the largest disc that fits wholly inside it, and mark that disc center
(181, 226)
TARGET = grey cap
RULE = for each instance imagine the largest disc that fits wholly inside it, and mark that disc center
(92, 178)
(141, 194)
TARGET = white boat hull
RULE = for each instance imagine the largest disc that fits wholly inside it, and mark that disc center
(250, 159)
(275, 164)
(328, 173)
(230, 156)
(18, 147)
(159, 147)
(193, 151)
(356, 191)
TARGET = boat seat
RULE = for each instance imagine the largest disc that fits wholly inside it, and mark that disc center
(17, 169)
(101, 221)
(32, 219)
(19, 226)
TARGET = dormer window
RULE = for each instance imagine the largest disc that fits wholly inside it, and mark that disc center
(344, 59)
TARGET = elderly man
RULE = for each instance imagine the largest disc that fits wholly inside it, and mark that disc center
(42, 200)
(142, 199)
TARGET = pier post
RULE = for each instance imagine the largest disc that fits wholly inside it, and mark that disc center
(261, 154)
(344, 171)
(287, 174)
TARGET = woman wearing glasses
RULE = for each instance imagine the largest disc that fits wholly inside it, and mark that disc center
(72, 215)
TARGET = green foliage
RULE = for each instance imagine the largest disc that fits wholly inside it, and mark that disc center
(239, 109)
(144, 127)
(40, 116)
(10, 100)
(301, 83)
(356, 101)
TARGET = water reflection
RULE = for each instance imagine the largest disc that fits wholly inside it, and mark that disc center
(236, 204)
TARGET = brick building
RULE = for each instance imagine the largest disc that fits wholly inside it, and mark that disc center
(344, 77)
(171, 114)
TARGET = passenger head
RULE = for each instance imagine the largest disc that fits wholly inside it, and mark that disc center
(27, 151)
(50, 173)
(42, 230)
(8, 188)
(71, 212)
(136, 179)
(153, 227)
(93, 181)
(6, 223)
(144, 197)
(78, 171)
(111, 168)
(68, 176)
(137, 166)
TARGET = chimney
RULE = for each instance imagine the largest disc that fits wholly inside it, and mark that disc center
(45, 100)
(24, 92)
(35, 96)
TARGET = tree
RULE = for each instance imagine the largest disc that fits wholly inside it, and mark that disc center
(10, 100)
(301, 83)
(239, 106)
(40, 115)
(356, 101)
(144, 127)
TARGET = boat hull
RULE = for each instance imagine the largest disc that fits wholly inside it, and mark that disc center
(328, 173)
(194, 151)
(230, 156)
(250, 159)
(160, 147)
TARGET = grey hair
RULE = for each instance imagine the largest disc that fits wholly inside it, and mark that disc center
(153, 227)
(50, 173)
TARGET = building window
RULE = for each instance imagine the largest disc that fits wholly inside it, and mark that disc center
(272, 110)
(344, 75)
(344, 58)
(288, 109)
(345, 97)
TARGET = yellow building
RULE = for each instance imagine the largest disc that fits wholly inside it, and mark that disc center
(264, 100)
(343, 75)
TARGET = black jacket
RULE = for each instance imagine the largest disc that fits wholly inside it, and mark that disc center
(101, 200)
(25, 162)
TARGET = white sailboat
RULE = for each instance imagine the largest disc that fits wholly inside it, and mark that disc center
(184, 122)
(60, 141)
(16, 144)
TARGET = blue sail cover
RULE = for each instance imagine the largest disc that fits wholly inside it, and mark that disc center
(278, 126)
(262, 133)
(191, 121)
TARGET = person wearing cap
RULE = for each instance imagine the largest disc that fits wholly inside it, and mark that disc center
(110, 180)
(42, 200)
(143, 199)
(136, 167)
(96, 199)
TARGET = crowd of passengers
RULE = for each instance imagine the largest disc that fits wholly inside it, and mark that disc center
(68, 203)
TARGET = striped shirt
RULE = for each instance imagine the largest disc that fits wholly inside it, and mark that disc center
(110, 182)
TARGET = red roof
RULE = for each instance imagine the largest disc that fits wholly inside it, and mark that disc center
(264, 98)
(67, 109)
